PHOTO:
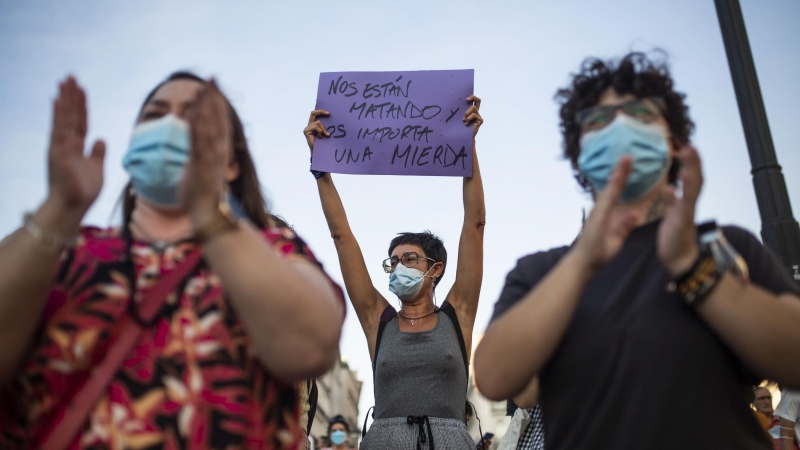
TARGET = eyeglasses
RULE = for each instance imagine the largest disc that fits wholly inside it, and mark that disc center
(409, 259)
(643, 109)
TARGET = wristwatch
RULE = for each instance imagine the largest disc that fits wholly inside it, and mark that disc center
(224, 219)
(726, 257)
(717, 256)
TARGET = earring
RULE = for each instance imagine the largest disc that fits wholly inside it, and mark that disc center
(132, 191)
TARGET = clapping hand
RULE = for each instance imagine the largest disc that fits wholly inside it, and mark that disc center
(74, 178)
(677, 234)
(204, 181)
(608, 225)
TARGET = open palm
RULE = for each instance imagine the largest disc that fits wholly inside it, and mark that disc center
(74, 178)
(677, 234)
(608, 226)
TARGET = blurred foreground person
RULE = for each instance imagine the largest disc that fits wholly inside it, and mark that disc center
(788, 411)
(185, 328)
(646, 316)
(419, 353)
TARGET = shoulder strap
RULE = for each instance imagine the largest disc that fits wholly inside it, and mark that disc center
(366, 418)
(388, 314)
(69, 419)
(313, 397)
(448, 309)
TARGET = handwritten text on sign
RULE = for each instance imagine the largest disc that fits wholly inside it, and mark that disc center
(395, 123)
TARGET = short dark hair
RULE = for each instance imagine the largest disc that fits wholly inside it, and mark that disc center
(335, 420)
(635, 73)
(432, 245)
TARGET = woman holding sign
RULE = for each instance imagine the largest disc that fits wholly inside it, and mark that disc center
(419, 354)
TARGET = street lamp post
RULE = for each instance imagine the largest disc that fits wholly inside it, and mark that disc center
(779, 229)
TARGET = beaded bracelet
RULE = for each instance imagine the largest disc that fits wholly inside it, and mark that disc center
(695, 285)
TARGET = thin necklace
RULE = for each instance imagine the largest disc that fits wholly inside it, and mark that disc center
(159, 245)
(412, 319)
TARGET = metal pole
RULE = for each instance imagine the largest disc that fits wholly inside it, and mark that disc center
(779, 229)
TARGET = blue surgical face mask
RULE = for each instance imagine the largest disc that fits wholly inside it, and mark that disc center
(405, 282)
(156, 157)
(645, 143)
(338, 437)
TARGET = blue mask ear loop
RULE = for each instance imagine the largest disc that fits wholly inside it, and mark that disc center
(433, 285)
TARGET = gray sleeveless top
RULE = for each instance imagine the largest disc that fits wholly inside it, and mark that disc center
(420, 373)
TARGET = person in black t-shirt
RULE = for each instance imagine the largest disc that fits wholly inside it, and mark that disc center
(621, 359)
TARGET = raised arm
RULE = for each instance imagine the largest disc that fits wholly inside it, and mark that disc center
(367, 301)
(469, 273)
(27, 264)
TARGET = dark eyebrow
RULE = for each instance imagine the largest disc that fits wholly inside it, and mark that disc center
(157, 102)
(167, 105)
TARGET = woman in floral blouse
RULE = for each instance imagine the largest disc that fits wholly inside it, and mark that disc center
(216, 366)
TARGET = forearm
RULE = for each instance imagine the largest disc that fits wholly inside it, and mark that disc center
(474, 206)
(332, 207)
(761, 328)
(469, 271)
(357, 281)
(787, 434)
(289, 309)
(516, 346)
(28, 268)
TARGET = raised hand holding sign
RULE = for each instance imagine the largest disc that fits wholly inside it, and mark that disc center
(395, 123)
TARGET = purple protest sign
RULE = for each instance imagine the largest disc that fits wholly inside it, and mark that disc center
(395, 123)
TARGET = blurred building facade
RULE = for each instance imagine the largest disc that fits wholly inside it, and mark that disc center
(339, 392)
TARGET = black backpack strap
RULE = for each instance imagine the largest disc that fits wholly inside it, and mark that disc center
(313, 396)
(364, 428)
(448, 309)
(388, 314)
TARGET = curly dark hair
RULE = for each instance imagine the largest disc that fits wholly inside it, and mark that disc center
(635, 74)
(431, 244)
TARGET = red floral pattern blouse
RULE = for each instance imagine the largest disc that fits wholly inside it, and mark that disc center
(190, 383)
